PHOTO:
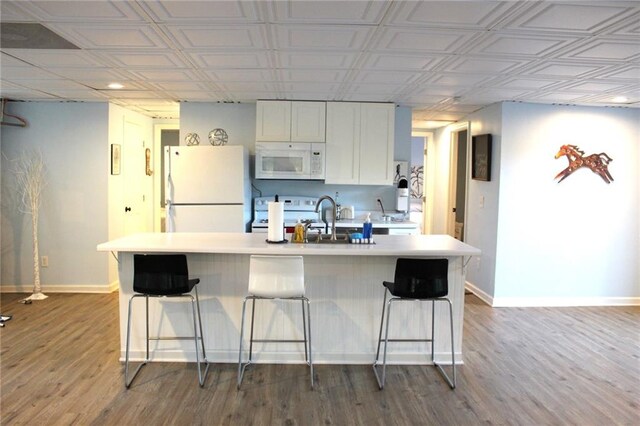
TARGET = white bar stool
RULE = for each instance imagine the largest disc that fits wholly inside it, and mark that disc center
(276, 277)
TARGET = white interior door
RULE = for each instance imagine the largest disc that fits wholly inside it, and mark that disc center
(133, 175)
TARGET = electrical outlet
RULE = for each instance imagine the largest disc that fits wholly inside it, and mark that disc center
(44, 261)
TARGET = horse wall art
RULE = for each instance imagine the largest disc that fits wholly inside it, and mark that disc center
(598, 163)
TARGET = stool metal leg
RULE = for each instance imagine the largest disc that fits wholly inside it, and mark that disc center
(241, 367)
(198, 335)
(381, 379)
(309, 335)
(304, 331)
(451, 382)
(127, 381)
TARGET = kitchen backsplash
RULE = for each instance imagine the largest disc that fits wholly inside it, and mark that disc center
(362, 197)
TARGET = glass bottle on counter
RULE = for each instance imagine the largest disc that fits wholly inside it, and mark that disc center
(298, 233)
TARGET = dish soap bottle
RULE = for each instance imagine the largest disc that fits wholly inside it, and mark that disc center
(298, 233)
(367, 229)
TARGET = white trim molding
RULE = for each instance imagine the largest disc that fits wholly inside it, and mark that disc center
(62, 288)
(530, 302)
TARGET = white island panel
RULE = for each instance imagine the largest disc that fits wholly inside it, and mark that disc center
(344, 285)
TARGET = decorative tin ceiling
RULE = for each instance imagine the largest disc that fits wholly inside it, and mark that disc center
(444, 59)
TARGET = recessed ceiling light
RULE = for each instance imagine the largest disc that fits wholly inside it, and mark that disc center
(115, 86)
(620, 99)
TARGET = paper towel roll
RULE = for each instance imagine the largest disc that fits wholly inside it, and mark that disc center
(275, 231)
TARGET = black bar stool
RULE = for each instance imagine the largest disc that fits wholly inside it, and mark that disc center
(165, 275)
(416, 280)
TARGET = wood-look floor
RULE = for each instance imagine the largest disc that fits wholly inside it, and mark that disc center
(526, 366)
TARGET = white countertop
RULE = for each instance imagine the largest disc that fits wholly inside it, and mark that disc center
(241, 243)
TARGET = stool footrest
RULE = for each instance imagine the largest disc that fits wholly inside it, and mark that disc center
(276, 341)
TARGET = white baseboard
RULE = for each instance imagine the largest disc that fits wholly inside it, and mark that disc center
(501, 302)
(486, 298)
(231, 357)
(522, 302)
(61, 288)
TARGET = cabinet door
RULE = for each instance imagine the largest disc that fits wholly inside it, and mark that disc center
(376, 144)
(273, 121)
(343, 143)
(308, 121)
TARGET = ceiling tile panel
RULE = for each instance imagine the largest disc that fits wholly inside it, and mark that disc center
(241, 11)
(11, 11)
(109, 36)
(247, 75)
(524, 83)
(604, 50)
(449, 14)
(228, 60)
(563, 69)
(490, 66)
(160, 75)
(331, 76)
(323, 37)
(409, 40)
(310, 87)
(179, 86)
(572, 16)
(82, 11)
(330, 12)
(401, 62)
(316, 60)
(142, 59)
(462, 80)
(256, 86)
(629, 72)
(223, 37)
(522, 46)
(386, 77)
(56, 58)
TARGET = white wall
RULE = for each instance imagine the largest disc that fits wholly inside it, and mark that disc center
(546, 243)
(483, 204)
(73, 220)
(574, 242)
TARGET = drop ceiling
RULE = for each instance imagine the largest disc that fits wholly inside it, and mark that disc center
(444, 59)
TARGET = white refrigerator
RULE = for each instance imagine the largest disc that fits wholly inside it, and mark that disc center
(208, 189)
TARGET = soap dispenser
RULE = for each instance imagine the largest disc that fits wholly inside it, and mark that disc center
(367, 229)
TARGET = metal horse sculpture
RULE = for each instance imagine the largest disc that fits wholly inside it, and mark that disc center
(596, 162)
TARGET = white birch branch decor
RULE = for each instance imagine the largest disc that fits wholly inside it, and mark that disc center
(29, 176)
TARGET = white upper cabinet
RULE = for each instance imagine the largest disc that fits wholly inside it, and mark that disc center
(290, 121)
(308, 121)
(343, 143)
(360, 139)
(273, 121)
(377, 130)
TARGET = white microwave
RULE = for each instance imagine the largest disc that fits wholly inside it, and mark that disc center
(285, 160)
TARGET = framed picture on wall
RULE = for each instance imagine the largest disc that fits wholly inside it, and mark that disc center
(115, 158)
(481, 157)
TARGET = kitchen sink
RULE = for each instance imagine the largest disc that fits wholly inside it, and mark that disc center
(326, 239)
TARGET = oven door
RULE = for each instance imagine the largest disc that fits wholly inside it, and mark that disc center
(281, 160)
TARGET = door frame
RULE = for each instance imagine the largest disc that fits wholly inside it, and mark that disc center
(454, 129)
(159, 213)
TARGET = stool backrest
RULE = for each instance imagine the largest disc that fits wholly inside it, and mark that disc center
(160, 274)
(276, 276)
(421, 278)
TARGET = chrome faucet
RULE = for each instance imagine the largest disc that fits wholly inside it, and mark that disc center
(333, 219)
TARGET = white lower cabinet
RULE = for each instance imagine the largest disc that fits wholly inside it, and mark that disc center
(359, 147)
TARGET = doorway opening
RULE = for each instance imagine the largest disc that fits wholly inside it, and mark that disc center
(164, 135)
(458, 177)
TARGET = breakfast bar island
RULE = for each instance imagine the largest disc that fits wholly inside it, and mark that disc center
(343, 283)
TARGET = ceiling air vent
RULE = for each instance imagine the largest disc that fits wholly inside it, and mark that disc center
(31, 36)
